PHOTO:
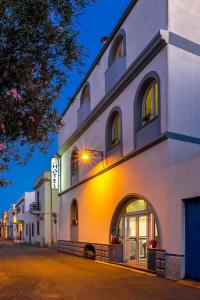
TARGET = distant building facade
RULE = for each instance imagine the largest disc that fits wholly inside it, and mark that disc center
(41, 220)
(22, 208)
(137, 115)
(4, 225)
(12, 223)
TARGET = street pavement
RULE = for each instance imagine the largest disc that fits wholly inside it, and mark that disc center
(28, 272)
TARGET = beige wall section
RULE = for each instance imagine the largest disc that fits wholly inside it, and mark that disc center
(184, 18)
(98, 198)
(149, 174)
(98, 128)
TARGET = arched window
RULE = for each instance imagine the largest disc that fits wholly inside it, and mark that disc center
(116, 60)
(118, 49)
(85, 96)
(113, 130)
(84, 109)
(147, 110)
(74, 166)
(150, 102)
(74, 213)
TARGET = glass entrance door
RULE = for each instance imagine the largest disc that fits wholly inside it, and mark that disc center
(136, 238)
(142, 237)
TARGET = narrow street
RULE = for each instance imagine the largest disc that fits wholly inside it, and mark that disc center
(34, 273)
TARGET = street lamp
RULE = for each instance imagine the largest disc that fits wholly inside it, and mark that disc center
(87, 154)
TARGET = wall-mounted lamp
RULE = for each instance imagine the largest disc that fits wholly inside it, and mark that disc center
(87, 154)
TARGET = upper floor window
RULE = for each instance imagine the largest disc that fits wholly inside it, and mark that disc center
(117, 50)
(147, 111)
(113, 129)
(116, 60)
(85, 96)
(84, 109)
(74, 166)
(150, 102)
(74, 213)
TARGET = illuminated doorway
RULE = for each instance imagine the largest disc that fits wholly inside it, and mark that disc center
(137, 229)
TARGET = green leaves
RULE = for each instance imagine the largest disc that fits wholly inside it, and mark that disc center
(38, 43)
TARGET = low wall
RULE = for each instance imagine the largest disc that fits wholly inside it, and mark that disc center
(103, 252)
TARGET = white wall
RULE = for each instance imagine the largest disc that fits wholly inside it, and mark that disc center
(184, 18)
(142, 24)
(183, 91)
(94, 136)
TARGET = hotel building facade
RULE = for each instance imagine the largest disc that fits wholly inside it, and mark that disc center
(135, 199)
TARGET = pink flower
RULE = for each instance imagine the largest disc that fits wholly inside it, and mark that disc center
(23, 113)
(15, 94)
(8, 93)
(31, 118)
(2, 147)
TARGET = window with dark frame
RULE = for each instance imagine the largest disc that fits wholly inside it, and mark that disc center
(74, 163)
(32, 229)
(114, 130)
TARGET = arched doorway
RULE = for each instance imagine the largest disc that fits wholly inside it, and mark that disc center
(74, 221)
(134, 224)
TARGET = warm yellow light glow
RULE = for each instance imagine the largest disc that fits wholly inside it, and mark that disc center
(85, 156)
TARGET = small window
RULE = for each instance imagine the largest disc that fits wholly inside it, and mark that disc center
(114, 130)
(120, 49)
(74, 213)
(32, 229)
(85, 96)
(117, 49)
(74, 163)
(150, 103)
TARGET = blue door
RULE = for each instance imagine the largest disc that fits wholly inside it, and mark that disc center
(192, 238)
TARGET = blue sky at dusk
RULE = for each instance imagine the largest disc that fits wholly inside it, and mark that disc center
(97, 20)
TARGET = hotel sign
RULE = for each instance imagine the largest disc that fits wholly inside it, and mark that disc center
(54, 173)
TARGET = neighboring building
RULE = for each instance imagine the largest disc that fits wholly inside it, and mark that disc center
(139, 107)
(12, 223)
(41, 219)
(4, 225)
(22, 208)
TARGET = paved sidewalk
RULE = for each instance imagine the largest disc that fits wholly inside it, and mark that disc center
(42, 274)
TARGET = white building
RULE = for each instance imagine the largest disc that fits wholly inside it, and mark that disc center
(12, 223)
(22, 209)
(41, 219)
(139, 106)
